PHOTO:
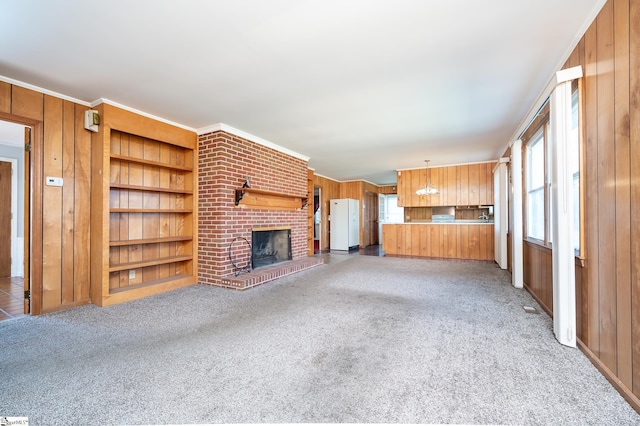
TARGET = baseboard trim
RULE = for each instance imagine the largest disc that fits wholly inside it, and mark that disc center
(626, 393)
(65, 306)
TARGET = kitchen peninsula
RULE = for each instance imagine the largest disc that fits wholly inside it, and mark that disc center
(454, 223)
(458, 240)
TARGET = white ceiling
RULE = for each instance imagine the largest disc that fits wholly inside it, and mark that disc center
(363, 87)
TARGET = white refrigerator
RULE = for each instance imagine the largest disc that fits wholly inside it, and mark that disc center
(344, 219)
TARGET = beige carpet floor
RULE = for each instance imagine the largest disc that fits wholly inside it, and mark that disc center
(359, 339)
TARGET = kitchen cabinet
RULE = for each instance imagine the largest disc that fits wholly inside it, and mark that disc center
(464, 185)
(468, 241)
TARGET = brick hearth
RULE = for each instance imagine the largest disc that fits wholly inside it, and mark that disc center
(269, 273)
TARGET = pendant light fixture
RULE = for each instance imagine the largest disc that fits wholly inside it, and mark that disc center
(427, 189)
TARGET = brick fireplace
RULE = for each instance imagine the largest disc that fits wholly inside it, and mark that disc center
(225, 161)
(270, 246)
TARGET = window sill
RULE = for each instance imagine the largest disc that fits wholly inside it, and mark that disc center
(580, 260)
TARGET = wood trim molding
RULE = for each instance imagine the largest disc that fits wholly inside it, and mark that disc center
(626, 393)
(260, 199)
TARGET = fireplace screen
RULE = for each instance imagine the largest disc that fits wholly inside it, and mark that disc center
(268, 247)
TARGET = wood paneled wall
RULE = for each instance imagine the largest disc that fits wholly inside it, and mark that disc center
(388, 189)
(357, 190)
(608, 294)
(329, 189)
(60, 255)
(362, 191)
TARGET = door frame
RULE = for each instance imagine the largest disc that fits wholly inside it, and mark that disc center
(33, 215)
(319, 188)
(14, 209)
(371, 218)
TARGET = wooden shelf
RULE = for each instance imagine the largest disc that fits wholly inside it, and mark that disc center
(150, 241)
(151, 262)
(142, 210)
(144, 207)
(149, 283)
(150, 162)
(261, 199)
(149, 188)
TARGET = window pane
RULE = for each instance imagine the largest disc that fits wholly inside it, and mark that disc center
(395, 213)
(576, 212)
(574, 152)
(535, 214)
(536, 162)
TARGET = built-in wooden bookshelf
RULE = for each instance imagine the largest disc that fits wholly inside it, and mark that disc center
(147, 189)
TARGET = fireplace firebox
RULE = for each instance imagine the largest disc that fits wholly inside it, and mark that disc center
(270, 246)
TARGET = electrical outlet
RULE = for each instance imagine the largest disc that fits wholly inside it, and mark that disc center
(132, 274)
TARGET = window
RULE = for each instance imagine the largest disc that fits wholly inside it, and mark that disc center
(535, 185)
(574, 148)
(537, 177)
(394, 214)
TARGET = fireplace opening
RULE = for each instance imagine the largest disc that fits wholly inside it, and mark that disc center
(270, 246)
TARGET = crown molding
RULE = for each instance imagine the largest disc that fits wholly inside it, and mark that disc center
(137, 111)
(41, 90)
(446, 165)
(248, 136)
(327, 177)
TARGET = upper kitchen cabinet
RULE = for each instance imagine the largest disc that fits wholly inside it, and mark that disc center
(465, 185)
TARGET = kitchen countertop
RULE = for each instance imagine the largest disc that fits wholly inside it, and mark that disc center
(457, 222)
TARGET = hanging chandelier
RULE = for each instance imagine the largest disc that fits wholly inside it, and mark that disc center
(427, 189)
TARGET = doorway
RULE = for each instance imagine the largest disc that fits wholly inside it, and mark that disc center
(370, 218)
(12, 219)
(317, 220)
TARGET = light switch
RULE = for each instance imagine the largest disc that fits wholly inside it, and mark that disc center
(54, 181)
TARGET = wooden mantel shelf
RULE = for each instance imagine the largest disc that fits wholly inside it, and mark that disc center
(260, 199)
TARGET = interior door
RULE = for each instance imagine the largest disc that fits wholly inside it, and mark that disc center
(5, 218)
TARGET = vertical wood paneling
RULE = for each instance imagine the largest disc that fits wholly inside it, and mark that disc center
(5, 97)
(329, 189)
(68, 200)
(606, 191)
(483, 178)
(608, 286)
(389, 240)
(452, 186)
(591, 182)
(401, 240)
(474, 184)
(436, 240)
(28, 103)
(416, 181)
(538, 273)
(463, 185)
(474, 241)
(82, 209)
(580, 317)
(437, 180)
(463, 248)
(489, 183)
(423, 235)
(400, 186)
(634, 134)
(52, 199)
(150, 221)
(622, 191)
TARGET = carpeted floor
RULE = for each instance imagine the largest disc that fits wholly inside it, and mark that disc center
(360, 339)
